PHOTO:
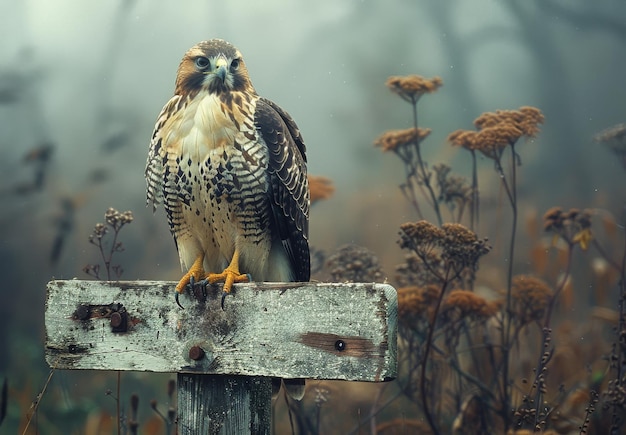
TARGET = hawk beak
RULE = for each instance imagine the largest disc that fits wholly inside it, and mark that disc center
(220, 68)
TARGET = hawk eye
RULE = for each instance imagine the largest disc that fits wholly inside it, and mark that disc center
(234, 64)
(202, 62)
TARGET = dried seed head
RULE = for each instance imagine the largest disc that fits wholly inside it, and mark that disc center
(463, 138)
(320, 188)
(352, 263)
(465, 304)
(393, 140)
(410, 88)
(530, 297)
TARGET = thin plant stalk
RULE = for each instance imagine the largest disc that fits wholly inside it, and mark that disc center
(427, 412)
(545, 336)
(422, 168)
(474, 218)
(511, 192)
(38, 400)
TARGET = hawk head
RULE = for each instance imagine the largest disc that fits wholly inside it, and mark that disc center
(214, 66)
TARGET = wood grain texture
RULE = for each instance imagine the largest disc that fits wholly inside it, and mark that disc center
(210, 404)
(288, 330)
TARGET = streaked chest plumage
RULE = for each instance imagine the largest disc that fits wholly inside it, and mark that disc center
(221, 169)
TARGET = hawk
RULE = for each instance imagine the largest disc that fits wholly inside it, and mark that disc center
(229, 167)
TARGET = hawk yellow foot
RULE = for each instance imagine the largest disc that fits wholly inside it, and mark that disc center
(194, 274)
(229, 276)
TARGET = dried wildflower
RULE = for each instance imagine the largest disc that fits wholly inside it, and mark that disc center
(98, 233)
(573, 226)
(454, 191)
(416, 302)
(526, 119)
(463, 138)
(420, 236)
(462, 247)
(465, 304)
(320, 188)
(394, 140)
(439, 254)
(406, 143)
(529, 124)
(115, 220)
(410, 88)
(615, 139)
(499, 129)
(530, 297)
(553, 219)
(352, 263)
(491, 141)
(420, 271)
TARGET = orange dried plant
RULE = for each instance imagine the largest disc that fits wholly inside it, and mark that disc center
(320, 188)
(394, 140)
(410, 88)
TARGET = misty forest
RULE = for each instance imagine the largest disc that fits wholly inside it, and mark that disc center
(472, 154)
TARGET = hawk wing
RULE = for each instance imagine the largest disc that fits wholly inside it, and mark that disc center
(288, 184)
(162, 169)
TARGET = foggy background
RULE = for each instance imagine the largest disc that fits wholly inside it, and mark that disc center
(86, 80)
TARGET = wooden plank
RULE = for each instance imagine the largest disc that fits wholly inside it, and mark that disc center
(288, 330)
(212, 404)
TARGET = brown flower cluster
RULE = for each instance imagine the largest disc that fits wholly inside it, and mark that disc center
(395, 140)
(417, 303)
(615, 139)
(420, 270)
(320, 188)
(420, 236)
(463, 138)
(465, 304)
(438, 249)
(99, 231)
(496, 130)
(526, 119)
(114, 220)
(117, 219)
(461, 246)
(573, 226)
(352, 263)
(530, 297)
(410, 88)
(453, 190)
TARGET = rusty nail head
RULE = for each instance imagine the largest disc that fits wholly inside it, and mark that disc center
(196, 353)
(82, 312)
(116, 320)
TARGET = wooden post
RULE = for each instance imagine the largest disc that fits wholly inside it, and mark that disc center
(225, 359)
(212, 404)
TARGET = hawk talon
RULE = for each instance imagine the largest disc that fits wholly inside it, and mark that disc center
(224, 294)
(201, 284)
(176, 299)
